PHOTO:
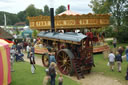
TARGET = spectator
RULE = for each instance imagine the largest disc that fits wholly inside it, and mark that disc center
(126, 52)
(47, 78)
(32, 62)
(19, 47)
(52, 73)
(52, 56)
(60, 80)
(12, 52)
(111, 57)
(114, 42)
(121, 50)
(25, 44)
(33, 49)
(28, 50)
(119, 61)
(126, 77)
(34, 40)
(17, 57)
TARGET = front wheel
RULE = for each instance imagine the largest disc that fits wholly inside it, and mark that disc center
(64, 61)
(45, 59)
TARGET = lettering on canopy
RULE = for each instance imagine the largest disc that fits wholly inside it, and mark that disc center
(67, 22)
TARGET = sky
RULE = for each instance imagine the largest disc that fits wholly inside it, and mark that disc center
(15, 6)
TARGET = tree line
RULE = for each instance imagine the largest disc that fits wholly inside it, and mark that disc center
(31, 11)
(118, 9)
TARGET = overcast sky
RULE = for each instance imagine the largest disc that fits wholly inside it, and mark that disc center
(14, 6)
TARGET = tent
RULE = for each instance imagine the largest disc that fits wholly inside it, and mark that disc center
(68, 12)
(5, 71)
(27, 33)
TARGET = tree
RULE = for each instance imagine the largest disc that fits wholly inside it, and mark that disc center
(22, 16)
(32, 11)
(46, 11)
(11, 18)
(60, 9)
(118, 10)
(35, 33)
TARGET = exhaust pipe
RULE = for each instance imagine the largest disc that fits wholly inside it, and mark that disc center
(52, 19)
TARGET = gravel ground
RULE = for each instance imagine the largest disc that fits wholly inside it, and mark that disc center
(97, 79)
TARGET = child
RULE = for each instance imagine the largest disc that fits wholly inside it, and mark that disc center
(47, 78)
(60, 79)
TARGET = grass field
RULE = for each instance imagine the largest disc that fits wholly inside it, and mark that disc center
(23, 75)
(101, 66)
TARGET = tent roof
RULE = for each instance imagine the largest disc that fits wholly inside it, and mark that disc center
(68, 12)
(27, 31)
(5, 42)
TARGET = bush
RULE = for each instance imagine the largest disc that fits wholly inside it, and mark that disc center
(122, 35)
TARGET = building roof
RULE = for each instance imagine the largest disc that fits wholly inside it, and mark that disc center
(5, 35)
(20, 24)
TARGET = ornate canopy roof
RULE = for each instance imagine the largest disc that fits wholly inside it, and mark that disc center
(68, 12)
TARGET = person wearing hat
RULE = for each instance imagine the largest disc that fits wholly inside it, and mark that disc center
(32, 62)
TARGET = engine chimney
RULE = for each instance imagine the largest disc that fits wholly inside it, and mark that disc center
(52, 19)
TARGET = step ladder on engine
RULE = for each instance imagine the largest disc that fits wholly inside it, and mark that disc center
(77, 69)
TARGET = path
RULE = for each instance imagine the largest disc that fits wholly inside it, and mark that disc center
(38, 60)
(90, 79)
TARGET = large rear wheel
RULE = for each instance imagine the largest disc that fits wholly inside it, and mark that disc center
(64, 61)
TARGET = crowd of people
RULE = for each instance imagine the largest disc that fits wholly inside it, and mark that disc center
(116, 57)
(17, 54)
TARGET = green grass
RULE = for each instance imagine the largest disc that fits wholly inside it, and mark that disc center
(101, 67)
(23, 75)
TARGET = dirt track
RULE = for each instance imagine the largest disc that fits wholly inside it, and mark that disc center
(90, 79)
(97, 79)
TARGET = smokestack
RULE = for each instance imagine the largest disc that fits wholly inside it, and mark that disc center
(52, 19)
(68, 7)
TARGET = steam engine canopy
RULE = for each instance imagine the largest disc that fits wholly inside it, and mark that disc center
(67, 36)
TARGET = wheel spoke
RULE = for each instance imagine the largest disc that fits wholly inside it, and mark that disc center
(64, 69)
(63, 61)
(62, 66)
(60, 61)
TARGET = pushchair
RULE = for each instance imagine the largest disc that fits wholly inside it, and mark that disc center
(19, 57)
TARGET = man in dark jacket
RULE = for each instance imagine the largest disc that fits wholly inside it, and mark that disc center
(32, 62)
(118, 59)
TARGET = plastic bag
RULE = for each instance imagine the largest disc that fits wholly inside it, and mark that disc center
(108, 64)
